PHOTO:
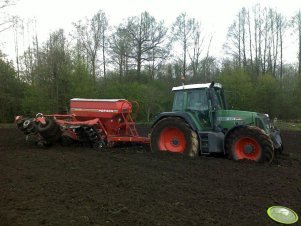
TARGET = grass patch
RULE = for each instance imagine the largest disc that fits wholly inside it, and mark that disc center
(292, 126)
(7, 125)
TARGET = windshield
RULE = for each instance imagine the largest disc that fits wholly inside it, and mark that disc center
(197, 100)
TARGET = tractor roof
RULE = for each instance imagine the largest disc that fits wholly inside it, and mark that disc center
(196, 86)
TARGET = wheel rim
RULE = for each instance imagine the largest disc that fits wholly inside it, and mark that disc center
(173, 140)
(26, 123)
(247, 148)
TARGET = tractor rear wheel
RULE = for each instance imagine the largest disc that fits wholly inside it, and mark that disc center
(174, 135)
(250, 142)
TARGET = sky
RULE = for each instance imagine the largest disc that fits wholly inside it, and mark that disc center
(215, 15)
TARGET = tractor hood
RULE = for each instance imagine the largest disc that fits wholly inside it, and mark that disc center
(230, 118)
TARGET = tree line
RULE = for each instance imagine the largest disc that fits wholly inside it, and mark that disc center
(142, 59)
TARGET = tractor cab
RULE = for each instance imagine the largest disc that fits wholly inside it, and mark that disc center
(201, 100)
(198, 97)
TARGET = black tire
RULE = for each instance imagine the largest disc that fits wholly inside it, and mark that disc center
(99, 145)
(29, 126)
(50, 129)
(174, 135)
(251, 143)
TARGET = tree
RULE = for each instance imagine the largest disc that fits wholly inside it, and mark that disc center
(6, 21)
(58, 63)
(91, 34)
(296, 22)
(155, 98)
(120, 50)
(267, 96)
(183, 31)
(232, 45)
(147, 38)
(209, 69)
(80, 80)
(281, 27)
(11, 91)
(30, 59)
(238, 86)
(50, 85)
(197, 64)
(157, 56)
(255, 40)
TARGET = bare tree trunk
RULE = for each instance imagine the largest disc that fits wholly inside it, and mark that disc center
(126, 65)
(260, 67)
(281, 47)
(264, 68)
(104, 62)
(16, 46)
(185, 50)
(139, 60)
(153, 65)
(299, 56)
(207, 59)
(120, 65)
(93, 61)
(243, 24)
(239, 40)
(250, 40)
(273, 43)
(256, 47)
(299, 32)
(281, 25)
(103, 52)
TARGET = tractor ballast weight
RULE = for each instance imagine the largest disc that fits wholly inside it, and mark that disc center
(201, 124)
(100, 122)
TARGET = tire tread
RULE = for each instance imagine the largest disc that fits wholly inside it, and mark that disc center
(256, 133)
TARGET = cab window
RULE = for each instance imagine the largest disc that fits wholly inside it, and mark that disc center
(197, 100)
(178, 101)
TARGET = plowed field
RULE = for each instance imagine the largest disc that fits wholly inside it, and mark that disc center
(127, 186)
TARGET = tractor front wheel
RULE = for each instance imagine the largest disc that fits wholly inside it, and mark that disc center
(250, 142)
(174, 135)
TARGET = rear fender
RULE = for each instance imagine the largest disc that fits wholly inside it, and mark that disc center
(181, 115)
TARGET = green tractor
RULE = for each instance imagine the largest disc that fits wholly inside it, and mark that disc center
(201, 124)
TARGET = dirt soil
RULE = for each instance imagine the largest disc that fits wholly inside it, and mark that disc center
(127, 186)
